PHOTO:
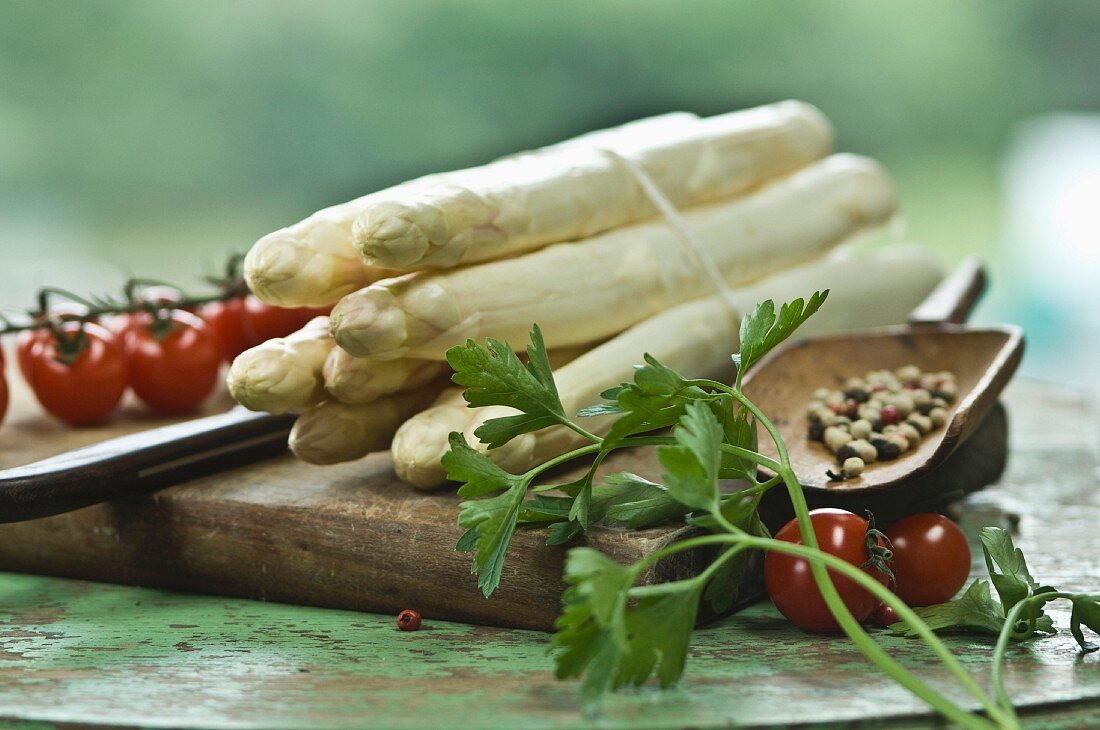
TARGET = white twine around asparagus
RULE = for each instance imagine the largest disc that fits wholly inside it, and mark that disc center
(700, 256)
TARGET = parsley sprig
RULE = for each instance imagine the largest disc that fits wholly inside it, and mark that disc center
(613, 632)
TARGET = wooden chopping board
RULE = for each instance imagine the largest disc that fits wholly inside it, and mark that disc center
(346, 536)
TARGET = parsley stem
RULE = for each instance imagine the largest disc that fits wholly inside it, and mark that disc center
(586, 434)
(657, 589)
(559, 460)
(752, 456)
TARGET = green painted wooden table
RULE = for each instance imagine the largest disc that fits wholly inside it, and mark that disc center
(89, 653)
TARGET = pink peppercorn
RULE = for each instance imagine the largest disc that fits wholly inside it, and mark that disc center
(408, 620)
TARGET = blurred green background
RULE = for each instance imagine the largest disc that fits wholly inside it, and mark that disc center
(156, 137)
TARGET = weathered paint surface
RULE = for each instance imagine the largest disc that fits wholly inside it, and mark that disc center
(78, 652)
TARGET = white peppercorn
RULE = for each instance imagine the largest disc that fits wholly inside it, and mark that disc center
(911, 433)
(901, 441)
(946, 390)
(921, 398)
(861, 429)
(920, 422)
(908, 374)
(904, 403)
(857, 447)
(836, 437)
(938, 416)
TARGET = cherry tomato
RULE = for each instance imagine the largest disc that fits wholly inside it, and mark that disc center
(790, 582)
(3, 397)
(25, 345)
(226, 321)
(87, 390)
(931, 558)
(28, 340)
(175, 373)
(152, 294)
(263, 321)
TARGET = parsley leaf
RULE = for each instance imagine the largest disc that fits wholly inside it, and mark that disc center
(491, 522)
(494, 520)
(659, 629)
(975, 609)
(562, 532)
(1086, 610)
(628, 500)
(474, 470)
(610, 643)
(544, 508)
(762, 330)
(495, 376)
(656, 399)
(692, 463)
(739, 429)
(1012, 581)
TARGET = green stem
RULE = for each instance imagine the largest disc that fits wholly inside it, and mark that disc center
(595, 448)
(752, 456)
(559, 460)
(577, 429)
(673, 586)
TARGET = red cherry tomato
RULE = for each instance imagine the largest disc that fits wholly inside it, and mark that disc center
(152, 294)
(931, 558)
(263, 321)
(226, 320)
(3, 397)
(25, 345)
(28, 340)
(790, 582)
(174, 374)
(87, 390)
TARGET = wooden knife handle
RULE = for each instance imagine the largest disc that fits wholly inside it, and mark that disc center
(955, 298)
(140, 462)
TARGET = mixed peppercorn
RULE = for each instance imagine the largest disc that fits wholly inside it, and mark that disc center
(880, 416)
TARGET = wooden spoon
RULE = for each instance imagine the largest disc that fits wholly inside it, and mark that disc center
(982, 359)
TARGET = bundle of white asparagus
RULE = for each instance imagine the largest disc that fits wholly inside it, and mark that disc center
(569, 237)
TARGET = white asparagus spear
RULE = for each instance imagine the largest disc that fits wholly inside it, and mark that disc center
(283, 374)
(577, 190)
(696, 339)
(313, 262)
(332, 432)
(581, 292)
(354, 380)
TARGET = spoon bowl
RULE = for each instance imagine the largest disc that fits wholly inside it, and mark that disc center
(983, 361)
